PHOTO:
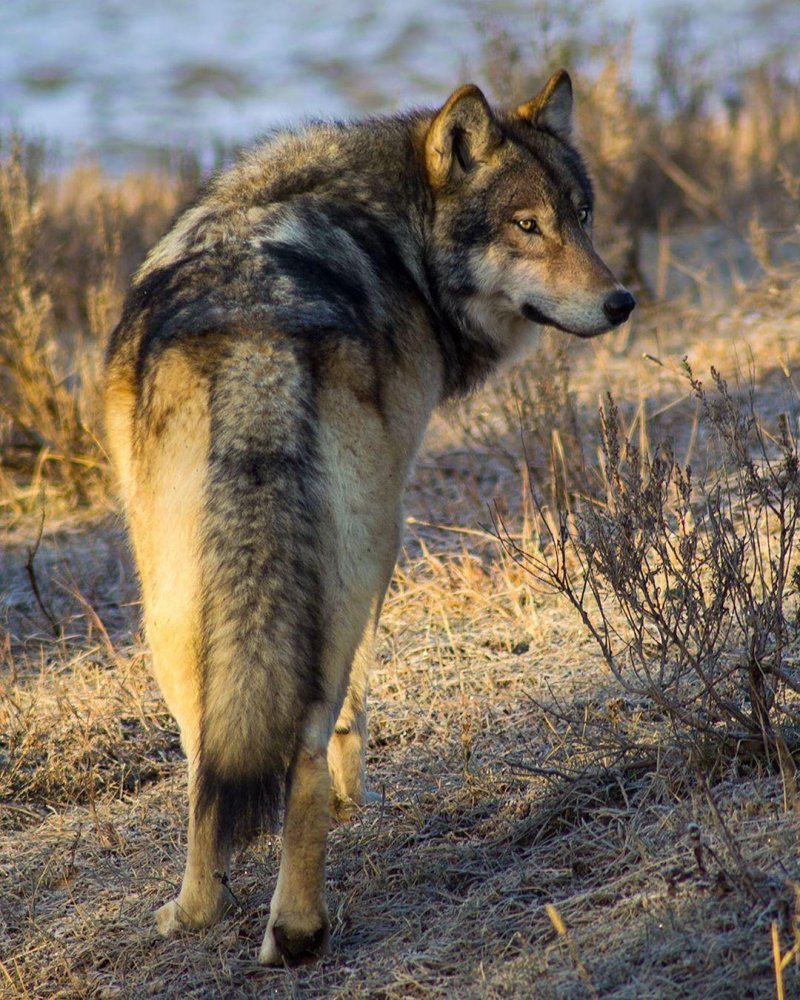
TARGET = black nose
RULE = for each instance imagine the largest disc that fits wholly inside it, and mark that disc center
(618, 306)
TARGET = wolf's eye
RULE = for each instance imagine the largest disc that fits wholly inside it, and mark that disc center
(529, 226)
(584, 214)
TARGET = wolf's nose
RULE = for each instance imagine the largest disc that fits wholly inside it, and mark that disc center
(618, 306)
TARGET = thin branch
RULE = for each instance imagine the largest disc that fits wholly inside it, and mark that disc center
(29, 568)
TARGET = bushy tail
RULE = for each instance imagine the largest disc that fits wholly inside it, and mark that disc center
(262, 606)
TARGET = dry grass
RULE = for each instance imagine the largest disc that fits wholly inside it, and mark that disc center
(68, 245)
(538, 835)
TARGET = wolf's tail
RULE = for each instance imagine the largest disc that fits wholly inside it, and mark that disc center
(262, 561)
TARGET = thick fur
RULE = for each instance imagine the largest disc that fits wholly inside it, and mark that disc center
(278, 358)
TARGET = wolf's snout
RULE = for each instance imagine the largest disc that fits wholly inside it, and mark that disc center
(618, 306)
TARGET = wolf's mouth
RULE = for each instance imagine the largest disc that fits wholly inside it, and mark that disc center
(536, 315)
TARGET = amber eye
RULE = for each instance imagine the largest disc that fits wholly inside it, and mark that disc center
(529, 226)
(584, 214)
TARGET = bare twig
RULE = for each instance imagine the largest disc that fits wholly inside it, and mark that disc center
(29, 568)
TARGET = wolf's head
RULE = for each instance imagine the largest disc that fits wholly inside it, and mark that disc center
(513, 216)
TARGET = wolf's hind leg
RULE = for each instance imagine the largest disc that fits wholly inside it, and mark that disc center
(204, 895)
(173, 627)
(298, 928)
(166, 495)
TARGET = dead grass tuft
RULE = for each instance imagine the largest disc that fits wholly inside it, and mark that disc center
(68, 246)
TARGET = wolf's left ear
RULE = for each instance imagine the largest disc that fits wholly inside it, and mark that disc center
(551, 109)
(461, 135)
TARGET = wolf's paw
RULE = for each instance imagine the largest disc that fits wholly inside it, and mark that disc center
(171, 918)
(343, 808)
(175, 916)
(286, 945)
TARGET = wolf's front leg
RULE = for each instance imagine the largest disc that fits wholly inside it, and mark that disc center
(298, 928)
(348, 746)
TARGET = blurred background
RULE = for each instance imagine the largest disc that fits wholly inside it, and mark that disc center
(121, 82)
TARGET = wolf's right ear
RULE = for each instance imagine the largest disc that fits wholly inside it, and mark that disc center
(551, 109)
(461, 135)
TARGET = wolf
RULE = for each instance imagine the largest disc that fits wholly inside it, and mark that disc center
(278, 358)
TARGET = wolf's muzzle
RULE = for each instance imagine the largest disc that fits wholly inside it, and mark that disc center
(618, 306)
